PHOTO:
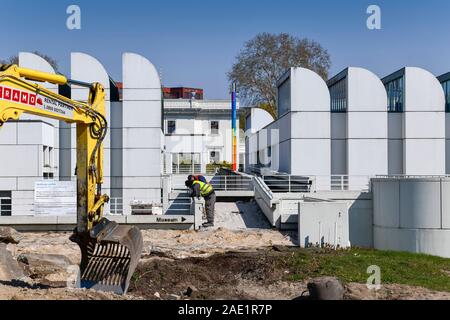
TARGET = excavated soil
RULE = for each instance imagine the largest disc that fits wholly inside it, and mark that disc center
(221, 263)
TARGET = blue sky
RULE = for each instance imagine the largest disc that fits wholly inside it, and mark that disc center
(194, 43)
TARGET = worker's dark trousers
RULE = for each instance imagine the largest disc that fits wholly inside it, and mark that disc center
(210, 202)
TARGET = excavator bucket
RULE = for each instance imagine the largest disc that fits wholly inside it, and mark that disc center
(109, 256)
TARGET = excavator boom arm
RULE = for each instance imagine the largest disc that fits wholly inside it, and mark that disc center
(18, 96)
(110, 252)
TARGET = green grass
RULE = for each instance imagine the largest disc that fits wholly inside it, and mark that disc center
(351, 266)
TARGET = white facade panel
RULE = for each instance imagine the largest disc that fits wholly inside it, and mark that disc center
(433, 242)
(8, 133)
(310, 125)
(367, 125)
(141, 114)
(310, 157)
(308, 91)
(424, 157)
(20, 161)
(420, 205)
(367, 157)
(141, 163)
(386, 204)
(146, 138)
(423, 91)
(8, 183)
(424, 125)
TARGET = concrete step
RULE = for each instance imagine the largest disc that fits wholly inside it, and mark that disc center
(179, 195)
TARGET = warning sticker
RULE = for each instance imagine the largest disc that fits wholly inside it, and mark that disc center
(39, 101)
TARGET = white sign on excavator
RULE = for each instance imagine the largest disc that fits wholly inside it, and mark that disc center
(38, 101)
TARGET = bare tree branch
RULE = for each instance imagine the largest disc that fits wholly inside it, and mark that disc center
(265, 58)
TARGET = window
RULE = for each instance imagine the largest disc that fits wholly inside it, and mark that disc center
(214, 156)
(446, 87)
(214, 127)
(338, 93)
(5, 203)
(48, 176)
(284, 97)
(186, 163)
(395, 95)
(171, 126)
(46, 153)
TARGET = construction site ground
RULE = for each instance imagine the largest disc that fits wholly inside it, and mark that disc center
(241, 258)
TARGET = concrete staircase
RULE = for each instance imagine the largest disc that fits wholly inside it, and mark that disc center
(179, 203)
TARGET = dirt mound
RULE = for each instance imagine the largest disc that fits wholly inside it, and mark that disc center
(260, 274)
(220, 276)
(23, 292)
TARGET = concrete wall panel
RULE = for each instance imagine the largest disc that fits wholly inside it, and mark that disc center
(8, 133)
(433, 242)
(424, 156)
(424, 125)
(367, 126)
(25, 158)
(310, 157)
(310, 125)
(445, 204)
(366, 93)
(142, 163)
(308, 91)
(420, 204)
(367, 157)
(323, 223)
(386, 203)
(423, 91)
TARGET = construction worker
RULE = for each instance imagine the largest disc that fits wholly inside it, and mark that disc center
(205, 190)
(197, 178)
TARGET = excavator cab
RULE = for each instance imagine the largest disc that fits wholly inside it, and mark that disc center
(109, 252)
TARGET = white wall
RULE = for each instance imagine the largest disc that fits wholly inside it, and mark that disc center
(21, 147)
(412, 215)
(300, 138)
(88, 69)
(424, 124)
(367, 127)
(142, 121)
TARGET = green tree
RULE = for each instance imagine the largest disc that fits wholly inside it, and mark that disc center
(265, 58)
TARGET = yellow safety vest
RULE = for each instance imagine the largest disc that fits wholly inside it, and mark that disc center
(205, 188)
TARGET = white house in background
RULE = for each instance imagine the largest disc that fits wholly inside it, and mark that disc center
(416, 127)
(198, 133)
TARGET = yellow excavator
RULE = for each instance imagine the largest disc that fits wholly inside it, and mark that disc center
(109, 252)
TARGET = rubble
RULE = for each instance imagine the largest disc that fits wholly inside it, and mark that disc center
(9, 235)
(326, 288)
(53, 269)
(10, 270)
